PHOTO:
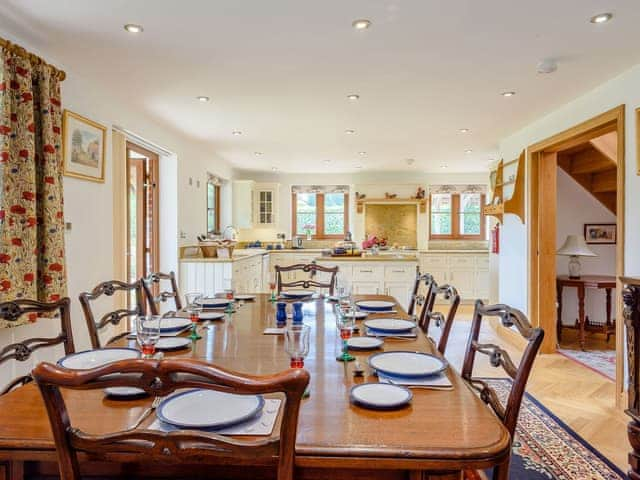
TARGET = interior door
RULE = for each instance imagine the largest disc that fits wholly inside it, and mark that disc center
(142, 212)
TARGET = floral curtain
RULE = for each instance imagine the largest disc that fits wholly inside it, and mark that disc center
(320, 188)
(32, 257)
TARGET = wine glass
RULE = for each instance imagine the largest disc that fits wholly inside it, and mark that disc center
(193, 308)
(229, 295)
(148, 333)
(272, 287)
(296, 344)
(345, 324)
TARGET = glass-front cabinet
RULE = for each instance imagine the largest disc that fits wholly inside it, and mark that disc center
(265, 197)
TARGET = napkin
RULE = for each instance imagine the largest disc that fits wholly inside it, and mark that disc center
(435, 382)
(260, 425)
(375, 333)
(273, 331)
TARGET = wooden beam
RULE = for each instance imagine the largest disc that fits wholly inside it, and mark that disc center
(604, 181)
(607, 144)
(609, 200)
(590, 161)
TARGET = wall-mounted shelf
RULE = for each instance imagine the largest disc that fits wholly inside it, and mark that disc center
(499, 206)
(421, 202)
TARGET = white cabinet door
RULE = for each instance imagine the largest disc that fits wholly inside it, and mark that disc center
(482, 284)
(265, 197)
(464, 280)
(401, 291)
(366, 288)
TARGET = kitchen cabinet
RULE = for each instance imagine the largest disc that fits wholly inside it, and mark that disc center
(242, 204)
(468, 272)
(265, 208)
(244, 275)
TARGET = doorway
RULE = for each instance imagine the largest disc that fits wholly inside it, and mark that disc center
(142, 212)
(544, 160)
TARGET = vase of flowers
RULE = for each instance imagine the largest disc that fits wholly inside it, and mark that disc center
(308, 229)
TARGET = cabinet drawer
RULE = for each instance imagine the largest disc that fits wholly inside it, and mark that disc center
(462, 261)
(368, 272)
(482, 263)
(434, 260)
(399, 273)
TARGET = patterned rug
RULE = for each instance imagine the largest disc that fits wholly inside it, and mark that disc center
(600, 361)
(545, 448)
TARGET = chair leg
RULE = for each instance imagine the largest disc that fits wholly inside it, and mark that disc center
(501, 472)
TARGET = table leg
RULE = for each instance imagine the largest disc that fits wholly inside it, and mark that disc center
(559, 317)
(607, 327)
(11, 470)
(581, 315)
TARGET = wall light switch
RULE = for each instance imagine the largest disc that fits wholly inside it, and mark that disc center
(67, 226)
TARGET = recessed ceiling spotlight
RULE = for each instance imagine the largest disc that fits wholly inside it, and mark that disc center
(362, 154)
(443, 166)
(508, 94)
(361, 24)
(464, 130)
(353, 97)
(133, 28)
(358, 167)
(601, 18)
(327, 161)
(274, 169)
(258, 154)
(349, 132)
(203, 98)
(468, 150)
(547, 65)
(236, 132)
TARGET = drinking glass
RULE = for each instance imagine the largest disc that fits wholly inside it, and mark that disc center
(148, 333)
(296, 344)
(345, 324)
(272, 287)
(229, 295)
(193, 308)
(344, 296)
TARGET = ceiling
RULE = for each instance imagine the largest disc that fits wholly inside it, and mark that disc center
(280, 71)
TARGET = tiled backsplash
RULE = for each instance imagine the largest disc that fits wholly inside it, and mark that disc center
(397, 223)
(458, 244)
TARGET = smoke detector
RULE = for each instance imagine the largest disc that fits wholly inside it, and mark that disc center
(547, 66)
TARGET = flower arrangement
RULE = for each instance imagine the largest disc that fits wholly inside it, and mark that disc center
(308, 229)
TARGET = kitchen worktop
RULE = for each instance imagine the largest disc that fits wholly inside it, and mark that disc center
(370, 258)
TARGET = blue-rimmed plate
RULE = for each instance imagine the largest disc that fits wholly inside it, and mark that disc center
(390, 325)
(407, 364)
(364, 343)
(211, 316)
(174, 324)
(214, 302)
(168, 344)
(297, 293)
(97, 358)
(202, 408)
(375, 305)
(379, 396)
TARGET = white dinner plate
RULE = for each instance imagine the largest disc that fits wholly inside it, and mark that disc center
(166, 344)
(211, 315)
(174, 324)
(407, 364)
(96, 358)
(297, 293)
(357, 315)
(375, 305)
(244, 297)
(201, 408)
(214, 302)
(390, 325)
(124, 393)
(364, 343)
(379, 396)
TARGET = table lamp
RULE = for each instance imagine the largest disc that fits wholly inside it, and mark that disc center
(574, 247)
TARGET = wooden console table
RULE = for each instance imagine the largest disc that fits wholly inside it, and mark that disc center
(631, 313)
(581, 284)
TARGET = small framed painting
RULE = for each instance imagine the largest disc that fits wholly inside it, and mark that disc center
(83, 147)
(600, 233)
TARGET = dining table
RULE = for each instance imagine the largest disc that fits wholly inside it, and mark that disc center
(438, 435)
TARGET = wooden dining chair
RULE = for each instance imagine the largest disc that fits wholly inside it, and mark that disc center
(190, 448)
(444, 321)
(423, 293)
(152, 284)
(21, 351)
(109, 289)
(499, 357)
(312, 269)
(414, 293)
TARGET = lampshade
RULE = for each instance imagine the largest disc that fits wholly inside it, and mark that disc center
(575, 245)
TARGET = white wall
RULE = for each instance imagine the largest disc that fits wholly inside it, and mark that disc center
(373, 184)
(620, 90)
(88, 205)
(575, 208)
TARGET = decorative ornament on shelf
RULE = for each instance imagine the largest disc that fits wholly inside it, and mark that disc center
(360, 196)
(575, 246)
(420, 194)
(390, 196)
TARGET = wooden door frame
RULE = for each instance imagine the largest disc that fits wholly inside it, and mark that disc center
(609, 121)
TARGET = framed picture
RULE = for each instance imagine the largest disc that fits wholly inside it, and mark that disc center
(600, 233)
(83, 147)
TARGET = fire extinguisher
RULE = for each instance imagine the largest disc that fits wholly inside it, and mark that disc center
(495, 239)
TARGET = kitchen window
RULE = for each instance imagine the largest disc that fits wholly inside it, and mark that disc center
(322, 215)
(457, 216)
(213, 205)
